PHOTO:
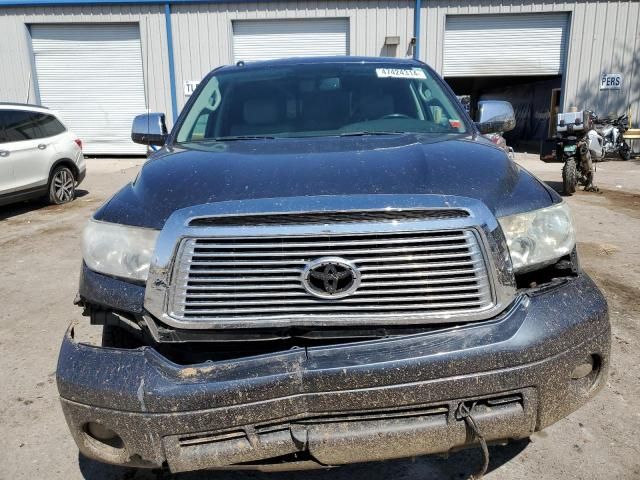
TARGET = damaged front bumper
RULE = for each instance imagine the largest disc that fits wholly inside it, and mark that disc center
(374, 400)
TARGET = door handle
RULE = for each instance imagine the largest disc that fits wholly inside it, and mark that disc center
(4, 153)
(42, 146)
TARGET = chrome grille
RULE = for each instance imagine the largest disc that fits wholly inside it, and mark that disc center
(432, 273)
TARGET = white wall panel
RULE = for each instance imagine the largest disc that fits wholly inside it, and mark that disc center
(92, 75)
(270, 39)
(483, 45)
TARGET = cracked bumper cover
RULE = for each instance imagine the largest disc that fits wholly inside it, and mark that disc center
(364, 401)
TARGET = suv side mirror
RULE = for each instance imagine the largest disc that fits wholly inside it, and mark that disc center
(149, 129)
(495, 116)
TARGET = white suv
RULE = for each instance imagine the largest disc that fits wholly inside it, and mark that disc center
(39, 157)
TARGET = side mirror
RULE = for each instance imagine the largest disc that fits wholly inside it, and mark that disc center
(149, 129)
(495, 116)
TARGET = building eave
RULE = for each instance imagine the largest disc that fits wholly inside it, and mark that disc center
(64, 3)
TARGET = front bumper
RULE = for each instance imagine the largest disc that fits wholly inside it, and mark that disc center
(332, 405)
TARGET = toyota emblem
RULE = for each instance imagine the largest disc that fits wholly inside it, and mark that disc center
(330, 277)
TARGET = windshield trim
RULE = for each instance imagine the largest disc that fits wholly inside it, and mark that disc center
(421, 137)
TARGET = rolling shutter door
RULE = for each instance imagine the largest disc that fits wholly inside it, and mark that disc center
(269, 39)
(92, 75)
(505, 45)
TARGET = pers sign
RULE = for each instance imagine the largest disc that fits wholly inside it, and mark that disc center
(611, 81)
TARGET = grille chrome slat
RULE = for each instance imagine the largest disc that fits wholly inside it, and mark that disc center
(350, 253)
(474, 272)
(281, 286)
(184, 276)
(240, 271)
(338, 307)
(406, 273)
(204, 244)
(373, 271)
(228, 284)
(408, 258)
(441, 266)
(309, 301)
(302, 293)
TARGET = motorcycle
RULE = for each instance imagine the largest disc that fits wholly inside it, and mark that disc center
(578, 145)
(612, 131)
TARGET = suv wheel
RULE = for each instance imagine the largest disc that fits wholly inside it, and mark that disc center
(62, 186)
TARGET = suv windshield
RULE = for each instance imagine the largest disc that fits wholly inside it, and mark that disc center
(320, 100)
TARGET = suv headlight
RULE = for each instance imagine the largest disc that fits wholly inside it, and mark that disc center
(118, 250)
(539, 238)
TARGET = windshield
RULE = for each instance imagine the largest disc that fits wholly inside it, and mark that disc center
(320, 100)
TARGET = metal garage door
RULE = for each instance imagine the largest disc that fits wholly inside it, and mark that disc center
(505, 45)
(269, 39)
(92, 75)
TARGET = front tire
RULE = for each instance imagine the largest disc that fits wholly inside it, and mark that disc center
(625, 151)
(569, 176)
(62, 186)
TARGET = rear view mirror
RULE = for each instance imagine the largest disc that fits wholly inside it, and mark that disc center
(495, 116)
(149, 129)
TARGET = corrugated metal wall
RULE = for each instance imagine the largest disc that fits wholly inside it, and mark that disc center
(15, 46)
(203, 32)
(604, 37)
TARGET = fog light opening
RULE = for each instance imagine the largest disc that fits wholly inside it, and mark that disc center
(101, 436)
(586, 373)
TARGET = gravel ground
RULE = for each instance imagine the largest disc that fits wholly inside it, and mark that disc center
(40, 258)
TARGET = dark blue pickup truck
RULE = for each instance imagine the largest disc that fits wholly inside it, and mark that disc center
(327, 263)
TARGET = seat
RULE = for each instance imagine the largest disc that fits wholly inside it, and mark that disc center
(260, 116)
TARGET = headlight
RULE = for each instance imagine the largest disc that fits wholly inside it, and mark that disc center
(118, 250)
(538, 238)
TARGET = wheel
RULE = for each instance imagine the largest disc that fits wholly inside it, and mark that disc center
(569, 176)
(62, 186)
(113, 336)
(625, 151)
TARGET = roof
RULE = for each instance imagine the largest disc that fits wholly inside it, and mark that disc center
(323, 60)
(23, 106)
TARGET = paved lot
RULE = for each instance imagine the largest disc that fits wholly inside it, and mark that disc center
(40, 260)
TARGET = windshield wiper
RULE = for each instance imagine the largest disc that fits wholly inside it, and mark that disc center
(232, 138)
(366, 132)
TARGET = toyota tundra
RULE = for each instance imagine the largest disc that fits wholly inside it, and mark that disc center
(325, 263)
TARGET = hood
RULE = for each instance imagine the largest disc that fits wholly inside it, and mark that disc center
(368, 165)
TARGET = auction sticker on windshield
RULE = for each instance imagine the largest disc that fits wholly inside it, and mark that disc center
(400, 73)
